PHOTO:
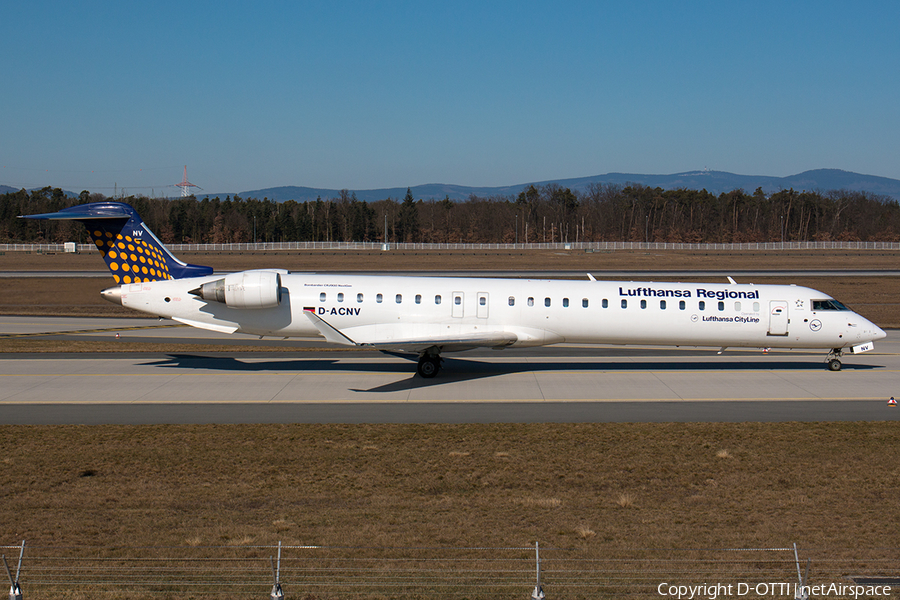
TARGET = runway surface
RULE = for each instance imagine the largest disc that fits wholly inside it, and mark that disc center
(306, 381)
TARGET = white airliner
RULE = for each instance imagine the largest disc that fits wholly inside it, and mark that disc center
(427, 316)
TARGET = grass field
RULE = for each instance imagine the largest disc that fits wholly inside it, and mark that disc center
(513, 260)
(596, 491)
(591, 486)
(595, 488)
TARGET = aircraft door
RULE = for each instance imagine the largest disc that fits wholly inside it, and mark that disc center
(459, 300)
(778, 317)
(481, 309)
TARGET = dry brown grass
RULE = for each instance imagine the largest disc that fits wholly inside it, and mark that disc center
(825, 485)
(585, 532)
(625, 500)
(450, 260)
(539, 502)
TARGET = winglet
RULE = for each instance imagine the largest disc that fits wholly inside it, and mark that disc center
(328, 332)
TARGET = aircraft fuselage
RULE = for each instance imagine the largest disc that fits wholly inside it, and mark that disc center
(536, 312)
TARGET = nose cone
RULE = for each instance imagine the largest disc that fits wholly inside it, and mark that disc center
(113, 294)
(880, 333)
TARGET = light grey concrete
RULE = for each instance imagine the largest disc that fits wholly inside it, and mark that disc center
(317, 377)
(320, 385)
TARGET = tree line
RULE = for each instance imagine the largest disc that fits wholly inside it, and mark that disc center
(538, 214)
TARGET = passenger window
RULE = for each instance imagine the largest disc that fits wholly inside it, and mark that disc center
(482, 301)
(584, 302)
(340, 296)
(418, 298)
(737, 306)
(437, 299)
(457, 300)
(624, 303)
(702, 305)
(643, 304)
(662, 304)
(322, 297)
(359, 297)
(530, 301)
(565, 303)
(512, 301)
(605, 303)
(681, 305)
(546, 301)
(379, 298)
(756, 307)
(721, 306)
(399, 298)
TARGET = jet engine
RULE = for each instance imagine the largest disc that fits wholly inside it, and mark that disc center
(247, 289)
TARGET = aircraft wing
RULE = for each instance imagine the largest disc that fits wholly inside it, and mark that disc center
(494, 339)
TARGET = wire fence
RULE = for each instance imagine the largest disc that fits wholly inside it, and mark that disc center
(342, 572)
(377, 246)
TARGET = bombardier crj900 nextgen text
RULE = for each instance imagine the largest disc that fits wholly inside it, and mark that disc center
(427, 316)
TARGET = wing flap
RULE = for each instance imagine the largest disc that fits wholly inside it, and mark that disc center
(454, 343)
(328, 332)
(209, 326)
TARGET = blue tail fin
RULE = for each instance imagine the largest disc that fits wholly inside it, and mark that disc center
(131, 251)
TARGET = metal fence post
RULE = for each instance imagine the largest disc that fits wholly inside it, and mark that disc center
(277, 592)
(802, 591)
(15, 590)
(538, 593)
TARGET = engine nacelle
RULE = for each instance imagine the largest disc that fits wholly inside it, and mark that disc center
(247, 289)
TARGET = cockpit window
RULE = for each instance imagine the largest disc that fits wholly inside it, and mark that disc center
(828, 305)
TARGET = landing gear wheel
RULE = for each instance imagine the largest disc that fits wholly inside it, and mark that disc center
(428, 366)
(833, 359)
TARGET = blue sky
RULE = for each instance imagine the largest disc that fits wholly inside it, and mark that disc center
(364, 95)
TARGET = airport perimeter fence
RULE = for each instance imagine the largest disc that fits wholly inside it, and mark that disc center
(368, 572)
(378, 246)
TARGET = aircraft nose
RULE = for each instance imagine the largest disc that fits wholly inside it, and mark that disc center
(880, 333)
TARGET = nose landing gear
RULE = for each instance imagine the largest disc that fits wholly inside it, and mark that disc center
(833, 359)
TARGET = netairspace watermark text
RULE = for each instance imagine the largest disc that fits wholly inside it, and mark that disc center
(712, 591)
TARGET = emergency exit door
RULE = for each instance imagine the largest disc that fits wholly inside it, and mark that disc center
(459, 300)
(481, 308)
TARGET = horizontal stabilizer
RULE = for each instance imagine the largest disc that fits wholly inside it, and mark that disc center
(86, 212)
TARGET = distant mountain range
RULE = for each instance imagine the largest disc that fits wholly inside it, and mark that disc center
(715, 182)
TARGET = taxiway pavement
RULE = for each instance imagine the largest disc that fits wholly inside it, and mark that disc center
(306, 381)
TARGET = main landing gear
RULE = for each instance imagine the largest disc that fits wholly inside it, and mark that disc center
(429, 365)
(833, 359)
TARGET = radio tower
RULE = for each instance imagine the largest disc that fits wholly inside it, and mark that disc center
(185, 184)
